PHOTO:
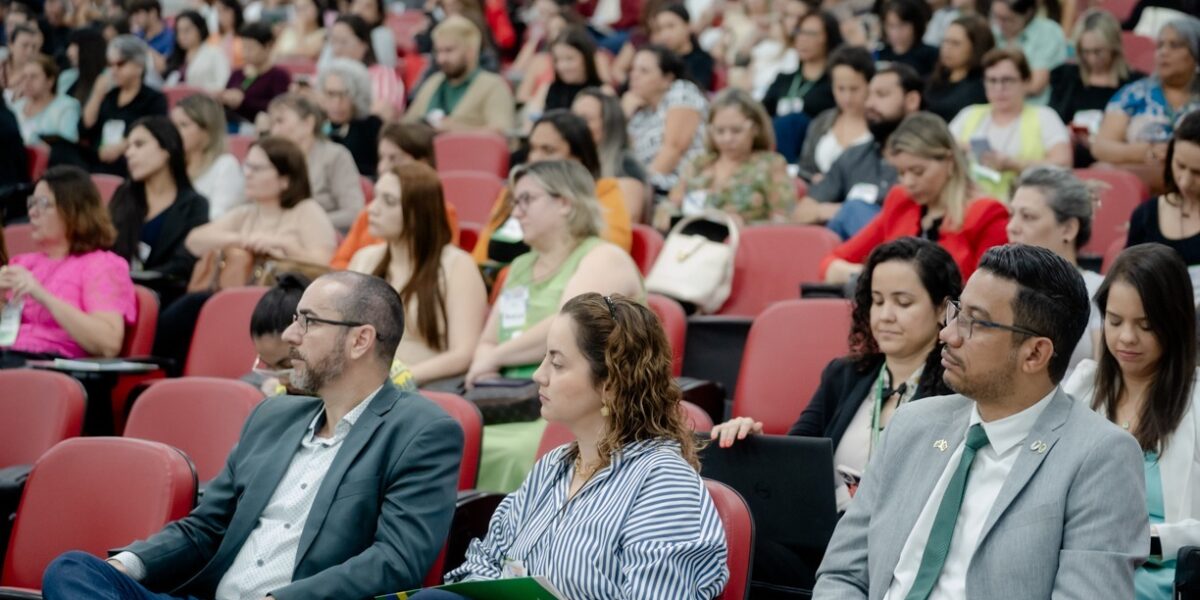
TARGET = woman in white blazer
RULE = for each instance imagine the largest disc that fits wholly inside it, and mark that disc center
(194, 61)
(1146, 382)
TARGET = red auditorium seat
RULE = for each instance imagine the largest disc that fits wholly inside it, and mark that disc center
(471, 421)
(789, 345)
(138, 342)
(368, 189)
(239, 146)
(647, 243)
(468, 234)
(94, 494)
(772, 261)
(1139, 51)
(18, 239)
(739, 537)
(38, 409)
(107, 184)
(39, 161)
(1110, 256)
(221, 346)
(674, 322)
(479, 151)
(175, 93)
(1111, 222)
(557, 434)
(472, 193)
(405, 26)
(202, 416)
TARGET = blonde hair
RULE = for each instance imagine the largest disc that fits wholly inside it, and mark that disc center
(569, 180)
(208, 115)
(458, 27)
(764, 134)
(1103, 23)
(925, 135)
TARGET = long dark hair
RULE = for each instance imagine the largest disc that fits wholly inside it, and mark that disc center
(129, 207)
(579, 39)
(179, 55)
(426, 233)
(361, 30)
(574, 131)
(939, 276)
(1161, 279)
(979, 33)
(1187, 131)
(92, 60)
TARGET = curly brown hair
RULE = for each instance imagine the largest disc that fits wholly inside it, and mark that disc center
(630, 358)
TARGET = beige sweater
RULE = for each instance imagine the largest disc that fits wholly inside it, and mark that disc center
(487, 104)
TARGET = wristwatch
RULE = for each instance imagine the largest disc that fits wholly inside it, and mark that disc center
(1156, 546)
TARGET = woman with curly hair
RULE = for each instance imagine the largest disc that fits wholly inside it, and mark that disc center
(622, 511)
(895, 355)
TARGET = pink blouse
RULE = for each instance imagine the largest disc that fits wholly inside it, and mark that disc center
(94, 282)
(387, 87)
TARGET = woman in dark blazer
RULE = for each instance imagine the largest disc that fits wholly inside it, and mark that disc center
(156, 209)
(895, 356)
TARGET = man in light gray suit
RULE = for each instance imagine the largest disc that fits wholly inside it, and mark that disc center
(1009, 489)
(348, 495)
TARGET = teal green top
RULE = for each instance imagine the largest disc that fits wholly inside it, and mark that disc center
(1044, 46)
(524, 302)
(1155, 579)
(447, 95)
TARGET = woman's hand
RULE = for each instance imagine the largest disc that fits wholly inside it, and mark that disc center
(231, 97)
(484, 366)
(266, 244)
(631, 102)
(998, 161)
(18, 280)
(111, 153)
(735, 429)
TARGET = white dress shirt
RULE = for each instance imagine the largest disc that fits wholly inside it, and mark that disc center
(267, 559)
(991, 467)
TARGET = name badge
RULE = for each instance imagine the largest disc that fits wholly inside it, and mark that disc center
(514, 302)
(435, 117)
(694, 202)
(509, 232)
(143, 251)
(790, 106)
(10, 321)
(865, 192)
(112, 132)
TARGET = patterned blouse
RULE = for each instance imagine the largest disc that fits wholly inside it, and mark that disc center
(647, 128)
(1151, 117)
(759, 190)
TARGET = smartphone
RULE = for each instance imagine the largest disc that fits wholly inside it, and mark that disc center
(980, 146)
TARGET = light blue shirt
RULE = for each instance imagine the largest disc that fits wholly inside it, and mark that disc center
(643, 527)
(60, 118)
(1045, 47)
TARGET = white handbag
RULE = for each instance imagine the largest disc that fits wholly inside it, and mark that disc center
(692, 268)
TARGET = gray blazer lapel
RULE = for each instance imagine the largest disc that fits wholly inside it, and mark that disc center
(917, 479)
(1044, 430)
(354, 443)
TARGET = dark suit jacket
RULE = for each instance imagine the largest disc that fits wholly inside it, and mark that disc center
(378, 521)
(168, 256)
(845, 383)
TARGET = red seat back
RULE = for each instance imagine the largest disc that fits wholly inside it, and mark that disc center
(697, 418)
(478, 151)
(557, 434)
(175, 93)
(139, 337)
(368, 189)
(772, 261)
(405, 26)
(472, 193)
(93, 494)
(107, 184)
(38, 409)
(1139, 51)
(221, 346)
(39, 161)
(1110, 256)
(468, 234)
(18, 239)
(739, 537)
(1121, 9)
(1111, 221)
(202, 416)
(471, 421)
(239, 146)
(647, 243)
(789, 345)
(674, 322)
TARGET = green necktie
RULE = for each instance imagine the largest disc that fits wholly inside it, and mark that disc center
(937, 547)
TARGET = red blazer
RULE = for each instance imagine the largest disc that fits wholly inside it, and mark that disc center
(983, 227)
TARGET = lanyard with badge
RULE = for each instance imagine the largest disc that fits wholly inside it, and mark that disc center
(793, 101)
(882, 393)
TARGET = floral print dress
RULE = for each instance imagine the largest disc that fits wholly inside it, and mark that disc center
(759, 190)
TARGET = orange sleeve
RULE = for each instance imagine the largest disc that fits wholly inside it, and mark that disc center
(618, 228)
(356, 239)
(499, 215)
(452, 219)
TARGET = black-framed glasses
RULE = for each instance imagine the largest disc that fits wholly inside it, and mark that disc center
(304, 321)
(966, 325)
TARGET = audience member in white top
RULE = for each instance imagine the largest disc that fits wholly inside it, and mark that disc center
(215, 173)
(195, 61)
(1008, 489)
(838, 128)
(1053, 208)
(1145, 382)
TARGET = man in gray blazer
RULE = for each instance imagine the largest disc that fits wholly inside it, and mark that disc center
(1011, 488)
(346, 495)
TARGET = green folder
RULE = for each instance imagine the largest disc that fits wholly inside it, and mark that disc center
(517, 588)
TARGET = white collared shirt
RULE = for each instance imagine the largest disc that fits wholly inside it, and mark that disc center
(991, 467)
(267, 558)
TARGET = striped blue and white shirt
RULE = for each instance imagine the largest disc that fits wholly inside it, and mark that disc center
(643, 527)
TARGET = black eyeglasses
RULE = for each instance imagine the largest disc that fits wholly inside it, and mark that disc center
(304, 321)
(966, 325)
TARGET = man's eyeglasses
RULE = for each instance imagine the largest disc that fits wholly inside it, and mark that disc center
(966, 325)
(304, 321)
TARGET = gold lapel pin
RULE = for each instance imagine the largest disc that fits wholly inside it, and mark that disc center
(1038, 446)
(941, 445)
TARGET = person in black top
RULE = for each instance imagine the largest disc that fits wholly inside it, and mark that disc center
(903, 26)
(14, 169)
(1179, 207)
(573, 55)
(55, 31)
(807, 89)
(957, 80)
(156, 208)
(119, 97)
(345, 89)
(1089, 84)
(672, 28)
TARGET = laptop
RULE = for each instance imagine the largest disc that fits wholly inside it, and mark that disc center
(786, 480)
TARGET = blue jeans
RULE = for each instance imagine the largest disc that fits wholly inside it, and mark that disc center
(77, 575)
(854, 215)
